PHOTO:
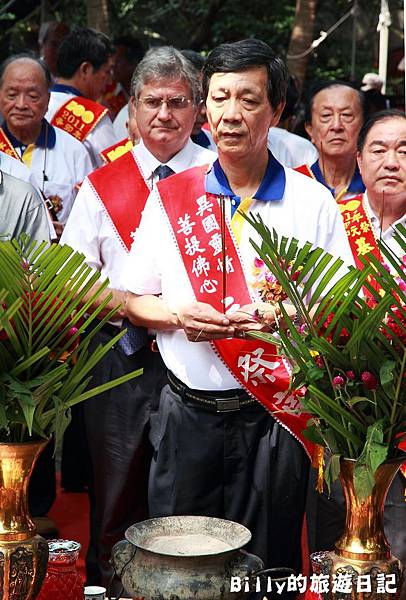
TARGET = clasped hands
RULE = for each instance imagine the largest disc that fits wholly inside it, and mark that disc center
(201, 322)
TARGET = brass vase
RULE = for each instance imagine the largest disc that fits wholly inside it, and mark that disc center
(363, 549)
(23, 554)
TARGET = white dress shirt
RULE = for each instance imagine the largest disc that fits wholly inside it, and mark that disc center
(289, 149)
(386, 236)
(89, 229)
(120, 124)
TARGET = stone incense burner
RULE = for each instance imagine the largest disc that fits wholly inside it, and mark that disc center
(184, 557)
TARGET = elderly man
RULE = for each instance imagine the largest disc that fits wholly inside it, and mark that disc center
(57, 161)
(166, 94)
(334, 117)
(218, 452)
(382, 163)
(84, 66)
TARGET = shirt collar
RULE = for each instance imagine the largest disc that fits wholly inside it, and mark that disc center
(65, 89)
(46, 138)
(180, 162)
(356, 185)
(375, 220)
(272, 186)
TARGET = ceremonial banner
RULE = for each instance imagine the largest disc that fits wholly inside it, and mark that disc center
(123, 191)
(78, 116)
(113, 152)
(6, 146)
(195, 219)
(359, 229)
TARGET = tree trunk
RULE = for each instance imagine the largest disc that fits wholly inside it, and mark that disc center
(301, 38)
(98, 15)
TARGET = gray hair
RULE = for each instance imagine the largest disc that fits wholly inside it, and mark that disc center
(165, 63)
(26, 57)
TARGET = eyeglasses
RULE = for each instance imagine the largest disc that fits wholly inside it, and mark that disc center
(174, 103)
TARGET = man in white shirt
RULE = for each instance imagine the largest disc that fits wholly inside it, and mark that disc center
(166, 96)
(382, 163)
(84, 65)
(58, 163)
(217, 452)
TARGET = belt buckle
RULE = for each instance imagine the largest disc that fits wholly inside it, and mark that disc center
(230, 405)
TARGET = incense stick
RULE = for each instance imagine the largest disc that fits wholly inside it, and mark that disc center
(223, 248)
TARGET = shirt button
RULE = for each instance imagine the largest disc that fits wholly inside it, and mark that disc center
(233, 202)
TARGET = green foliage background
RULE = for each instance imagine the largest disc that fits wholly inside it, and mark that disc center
(202, 24)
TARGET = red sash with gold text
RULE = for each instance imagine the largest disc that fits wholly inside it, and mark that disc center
(78, 116)
(113, 152)
(361, 238)
(6, 146)
(122, 189)
(195, 218)
(359, 229)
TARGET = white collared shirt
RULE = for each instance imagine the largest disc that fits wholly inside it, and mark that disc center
(59, 171)
(289, 149)
(307, 211)
(101, 137)
(386, 236)
(89, 229)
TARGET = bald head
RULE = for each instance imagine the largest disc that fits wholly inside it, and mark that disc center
(24, 96)
(26, 59)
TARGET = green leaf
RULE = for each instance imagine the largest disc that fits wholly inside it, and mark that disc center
(357, 399)
(386, 372)
(373, 454)
(332, 470)
(312, 434)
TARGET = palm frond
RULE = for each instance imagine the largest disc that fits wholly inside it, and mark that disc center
(45, 333)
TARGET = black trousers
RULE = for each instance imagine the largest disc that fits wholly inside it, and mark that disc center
(116, 424)
(241, 466)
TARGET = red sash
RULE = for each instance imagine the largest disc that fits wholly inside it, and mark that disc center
(6, 146)
(194, 217)
(78, 116)
(361, 238)
(122, 189)
(305, 170)
(359, 229)
(113, 152)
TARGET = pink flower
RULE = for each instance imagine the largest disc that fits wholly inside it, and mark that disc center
(258, 262)
(320, 362)
(350, 375)
(369, 380)
(338, 381)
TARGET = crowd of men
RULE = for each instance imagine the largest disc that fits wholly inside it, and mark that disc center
(162, 221)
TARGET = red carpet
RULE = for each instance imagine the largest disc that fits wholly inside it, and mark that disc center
(70, 514)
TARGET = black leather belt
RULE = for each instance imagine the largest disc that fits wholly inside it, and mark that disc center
(217, 401)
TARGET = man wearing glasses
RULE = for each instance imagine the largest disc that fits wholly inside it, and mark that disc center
(165, 94)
